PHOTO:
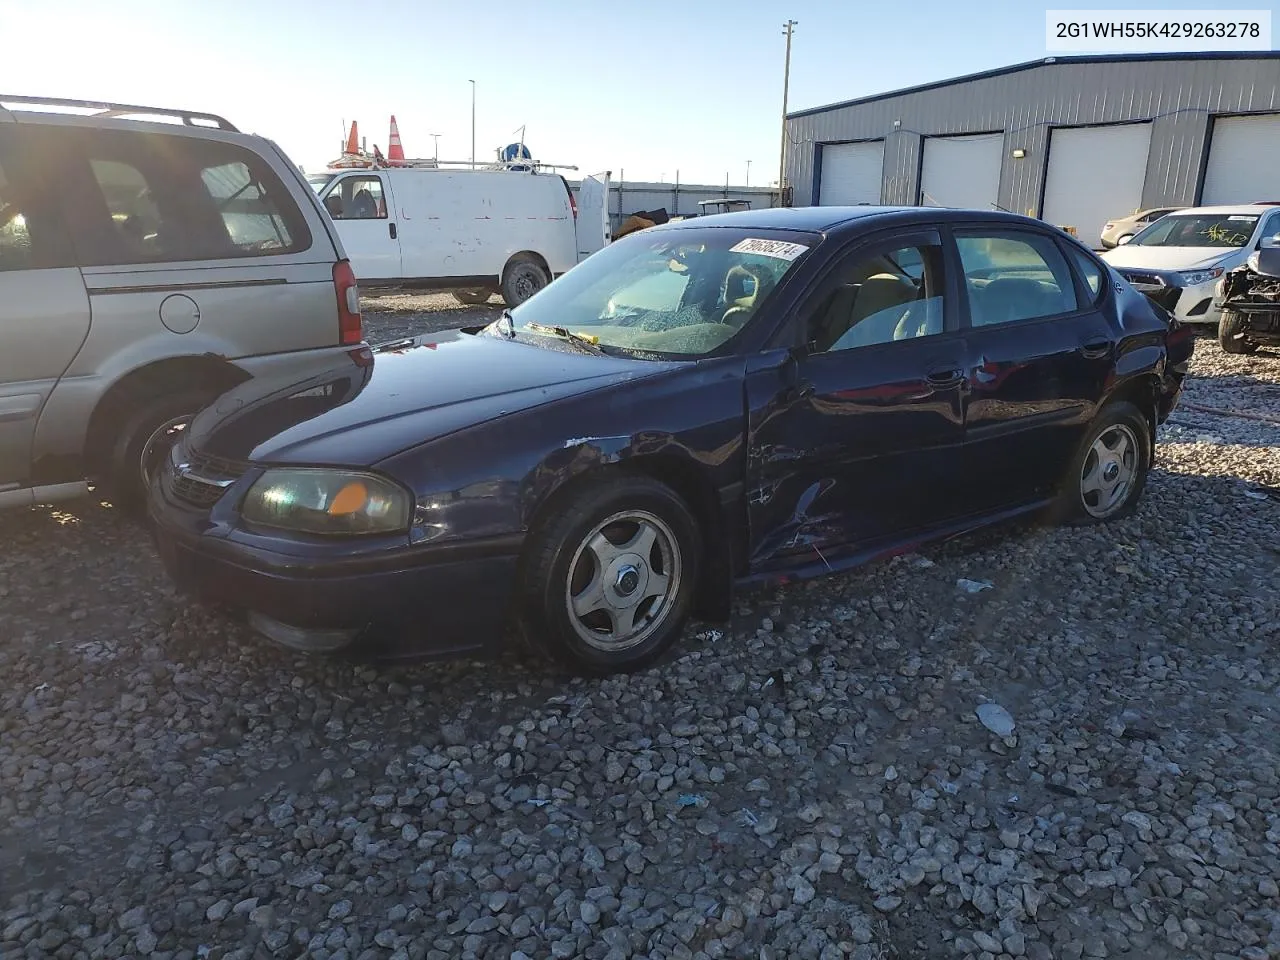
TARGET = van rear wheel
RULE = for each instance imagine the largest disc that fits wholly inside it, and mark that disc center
(523, 277)
(472, 297)
(143, 443)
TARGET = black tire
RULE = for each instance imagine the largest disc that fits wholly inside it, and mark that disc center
(1231, 329)
(143, 426)
(559, 565)
(1078, 502)
(472, 298)
(522, 277)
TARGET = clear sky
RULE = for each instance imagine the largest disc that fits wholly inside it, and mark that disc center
(644, 90)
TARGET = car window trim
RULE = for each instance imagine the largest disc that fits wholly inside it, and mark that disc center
(790, 327)
(956, 229)
(1083, 293)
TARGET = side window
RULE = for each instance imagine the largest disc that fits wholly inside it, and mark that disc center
(167, 198)
(15, 233)
(252, 219)
(1271, 228)
(32, 234)
(135, 218)
(1012, 278)
(1090, 272)
(880, 297)
(357, 198)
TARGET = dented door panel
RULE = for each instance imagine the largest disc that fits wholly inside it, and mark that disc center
(849, 448)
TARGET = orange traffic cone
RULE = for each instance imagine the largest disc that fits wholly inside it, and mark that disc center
(353, 141)
(395, 152)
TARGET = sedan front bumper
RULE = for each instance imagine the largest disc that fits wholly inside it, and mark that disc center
(410, 601)
(1188, 303)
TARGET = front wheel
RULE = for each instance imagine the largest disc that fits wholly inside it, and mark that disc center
(1109, 471)
(610, 579)
(523, 277)
(1231, 330)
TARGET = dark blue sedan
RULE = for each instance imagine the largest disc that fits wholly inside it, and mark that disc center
(748, 397)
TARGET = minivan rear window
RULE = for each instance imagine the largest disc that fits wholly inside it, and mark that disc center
(160, 198)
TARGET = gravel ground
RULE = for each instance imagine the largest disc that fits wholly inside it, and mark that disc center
(814, 781)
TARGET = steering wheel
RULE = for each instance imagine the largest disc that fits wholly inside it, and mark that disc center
(732, 311)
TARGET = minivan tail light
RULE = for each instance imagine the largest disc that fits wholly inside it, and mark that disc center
(350, 328)
(573, 204)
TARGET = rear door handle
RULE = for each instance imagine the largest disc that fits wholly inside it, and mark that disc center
(1095, 348)
(391, 227)
(944, 377)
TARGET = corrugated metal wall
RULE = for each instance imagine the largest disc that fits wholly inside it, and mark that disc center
(1179, 96)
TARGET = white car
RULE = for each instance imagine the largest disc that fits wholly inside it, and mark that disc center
(475, 232)
(1179, 259)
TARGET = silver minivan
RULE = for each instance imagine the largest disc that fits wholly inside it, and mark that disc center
(146, 267)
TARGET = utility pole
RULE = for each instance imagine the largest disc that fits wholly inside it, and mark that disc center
(436, 138)
(473, 122)
(786, 84)
(748, 183)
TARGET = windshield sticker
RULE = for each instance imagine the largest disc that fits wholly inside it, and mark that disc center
(1245, 219)
(779, 249)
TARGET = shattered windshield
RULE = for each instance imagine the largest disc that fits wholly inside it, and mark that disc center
(1198, 230)
(684, 291)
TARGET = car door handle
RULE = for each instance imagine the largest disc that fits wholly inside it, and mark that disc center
(391, 228)
(944, 377)
(1095, 348)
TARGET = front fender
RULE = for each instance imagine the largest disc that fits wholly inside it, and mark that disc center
(496, 477)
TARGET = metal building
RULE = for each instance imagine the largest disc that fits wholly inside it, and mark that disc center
(1073, 140)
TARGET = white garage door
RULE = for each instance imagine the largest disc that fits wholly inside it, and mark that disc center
(962, 171)
(851, 173)
(1242, 160)
(1095, 175)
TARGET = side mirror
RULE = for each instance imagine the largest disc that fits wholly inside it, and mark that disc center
(1123, 240)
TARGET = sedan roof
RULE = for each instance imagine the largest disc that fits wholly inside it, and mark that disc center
(836, 220)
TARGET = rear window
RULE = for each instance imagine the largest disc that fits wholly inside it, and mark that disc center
(157, 198)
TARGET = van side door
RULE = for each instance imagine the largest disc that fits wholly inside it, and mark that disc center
(44, 309)
(364, 210)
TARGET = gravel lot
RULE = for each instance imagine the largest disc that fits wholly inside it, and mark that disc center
(812, 782)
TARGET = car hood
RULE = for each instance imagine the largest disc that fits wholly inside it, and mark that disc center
(358, 412)
(1129, 257)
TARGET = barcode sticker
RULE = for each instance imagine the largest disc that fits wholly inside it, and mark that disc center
(781, 249)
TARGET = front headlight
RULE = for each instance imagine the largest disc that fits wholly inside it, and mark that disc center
(315, 500)
(1195, 277)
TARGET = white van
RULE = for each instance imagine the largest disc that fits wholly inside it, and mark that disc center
(475, 232)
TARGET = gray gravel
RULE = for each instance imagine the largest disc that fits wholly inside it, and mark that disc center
(813, 781)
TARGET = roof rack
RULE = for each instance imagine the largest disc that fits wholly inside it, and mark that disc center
(108, 109)
(368, 162)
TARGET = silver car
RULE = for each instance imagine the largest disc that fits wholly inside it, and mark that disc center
(147, 267)
(1180, 259)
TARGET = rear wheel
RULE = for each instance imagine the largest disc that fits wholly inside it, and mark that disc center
(610, 579)
(144, 441)
(1231, 330)
(472, 297)
(1109, 471)
(523, 277)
